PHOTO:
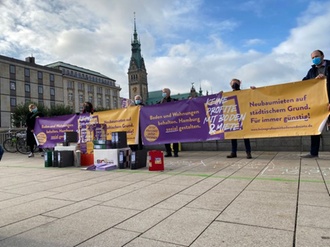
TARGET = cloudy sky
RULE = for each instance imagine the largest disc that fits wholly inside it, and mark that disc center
(205, 42)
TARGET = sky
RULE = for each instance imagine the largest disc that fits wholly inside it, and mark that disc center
(204, 42)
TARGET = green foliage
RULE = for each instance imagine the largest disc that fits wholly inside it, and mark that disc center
(19, 115)
(60, 110)
(101, 109)
(21, 111)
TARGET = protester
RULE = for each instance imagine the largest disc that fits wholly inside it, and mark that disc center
(320, 70)
(30, 122)
(166, 94)
(235, 85)
(88, 107)
(138, 100)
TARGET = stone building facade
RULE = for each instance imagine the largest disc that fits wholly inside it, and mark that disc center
(57, 83)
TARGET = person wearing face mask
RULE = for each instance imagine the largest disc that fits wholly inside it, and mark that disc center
(166, 94)
(30, 122)
(320, 70)
(138, 100)
(139, 146)
(236, 85)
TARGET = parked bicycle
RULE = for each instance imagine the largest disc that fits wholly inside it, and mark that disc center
(9, 144)
(16, 142)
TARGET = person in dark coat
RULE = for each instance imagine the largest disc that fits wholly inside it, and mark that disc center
(320, 70)
(88, 108)
(236, 85)
(30, 122)
(138, 101)
(166, 93)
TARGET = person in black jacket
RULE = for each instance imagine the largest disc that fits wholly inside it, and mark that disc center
(138, 102)
(320, 70)
(166, 93)
(88, 108)
(30, 122)
(236, 85)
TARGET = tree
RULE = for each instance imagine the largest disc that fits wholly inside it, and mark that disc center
(19, 115)
(21, 111)
(59, 110)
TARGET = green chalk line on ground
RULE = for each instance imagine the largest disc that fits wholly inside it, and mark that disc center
(185, 174)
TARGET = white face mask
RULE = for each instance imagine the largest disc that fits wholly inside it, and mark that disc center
(164, 95)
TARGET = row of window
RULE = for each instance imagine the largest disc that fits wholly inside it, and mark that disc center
(90, 88)
(87, 77)
(13, 102)
(28, 88)
(12, 69)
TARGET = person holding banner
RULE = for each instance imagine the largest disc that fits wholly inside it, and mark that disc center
(320, 70)
(235, 85)
(88, 108)
(166, 93)
(30, 122)
(138, 100)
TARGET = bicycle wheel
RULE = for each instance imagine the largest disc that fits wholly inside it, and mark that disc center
(22, 147)
(10, 145)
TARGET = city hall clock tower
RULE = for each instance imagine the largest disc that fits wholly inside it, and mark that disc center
(137, 73)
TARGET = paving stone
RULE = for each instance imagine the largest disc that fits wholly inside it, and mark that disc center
(182, 227)
(227, 234)
(266, 209)
(145, 220)
(311, 236)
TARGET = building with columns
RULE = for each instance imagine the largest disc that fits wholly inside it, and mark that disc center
(81, 85)
(57, 83)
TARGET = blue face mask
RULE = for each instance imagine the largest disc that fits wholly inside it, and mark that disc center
(164, 95)
(137, 101)
(34, 110)
(316, 60)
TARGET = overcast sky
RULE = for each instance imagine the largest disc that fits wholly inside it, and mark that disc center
(205, 42)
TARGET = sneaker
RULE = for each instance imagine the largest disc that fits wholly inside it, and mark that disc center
(31, 155)
(176, 155)
(232, 155)
(309, 156)
(248, 155)
(42, 155)
(168, 155)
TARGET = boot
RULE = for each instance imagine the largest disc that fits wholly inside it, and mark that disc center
(232, 155)
(248, 155)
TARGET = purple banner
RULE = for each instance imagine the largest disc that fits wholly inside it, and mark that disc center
(50, 130)
(191, 120)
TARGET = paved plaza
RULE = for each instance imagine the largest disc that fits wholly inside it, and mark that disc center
(201, 199)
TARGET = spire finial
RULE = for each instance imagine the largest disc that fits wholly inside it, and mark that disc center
(134, 22)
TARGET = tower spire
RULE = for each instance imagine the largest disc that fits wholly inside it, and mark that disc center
(137, 73)
(135, 33)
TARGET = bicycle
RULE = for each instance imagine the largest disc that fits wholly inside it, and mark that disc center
(17, 142)
(9, 144)
(21, 145)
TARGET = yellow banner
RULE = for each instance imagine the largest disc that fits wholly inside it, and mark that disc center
(291, 109)
(124, 119)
